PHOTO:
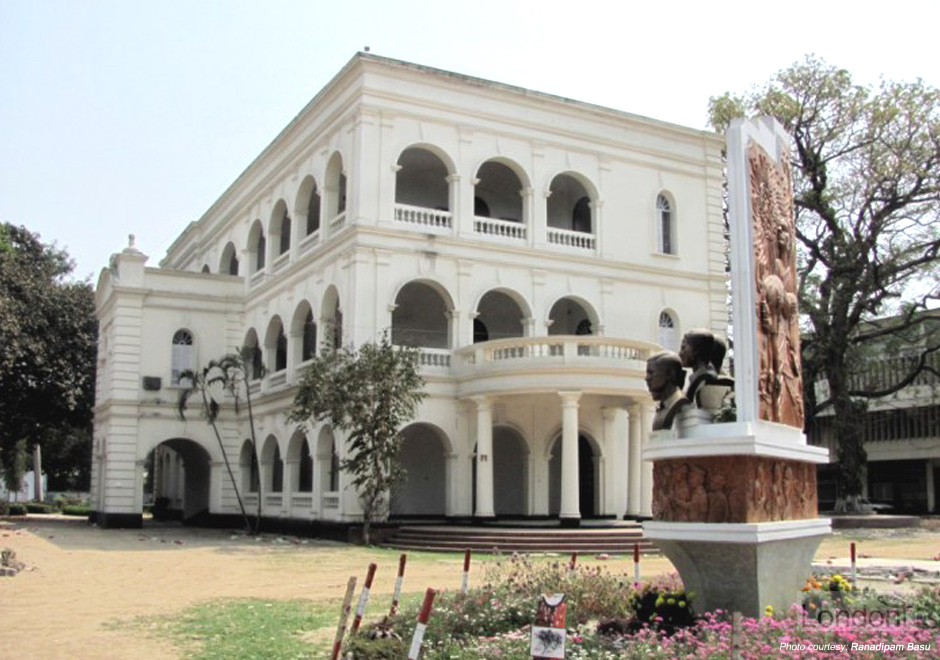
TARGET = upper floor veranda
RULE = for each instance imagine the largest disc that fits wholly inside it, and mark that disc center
(403, 150)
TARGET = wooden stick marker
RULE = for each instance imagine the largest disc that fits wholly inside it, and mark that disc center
(854, 569)
(423, 617)
(363, 599)
(465, 580)
(636, 565)
(398, 582)
(343, 617)
(574, 561)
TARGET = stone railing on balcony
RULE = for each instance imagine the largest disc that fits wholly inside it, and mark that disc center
(573, 239)
(337, 222)
(434, 358)
(556, 350)
(273, 501)
(425, 219)
(301, 502)
(278, 378)
(499, 228)
(250, 501)
(256, 278)
(280, 263)
(308, 242)
(331, 500)
(254, 386)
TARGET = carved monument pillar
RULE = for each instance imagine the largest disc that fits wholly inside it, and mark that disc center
(734, 503)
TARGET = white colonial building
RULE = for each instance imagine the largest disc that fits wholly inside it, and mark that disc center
(536, 248)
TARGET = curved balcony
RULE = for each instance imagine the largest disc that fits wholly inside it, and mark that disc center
(535, 364)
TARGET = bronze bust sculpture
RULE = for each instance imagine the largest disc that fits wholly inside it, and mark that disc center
(703, 353)
(665, 378)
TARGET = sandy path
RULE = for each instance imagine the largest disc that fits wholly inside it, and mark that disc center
(84, 578)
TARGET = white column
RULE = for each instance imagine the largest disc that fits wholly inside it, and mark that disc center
(634, 461)
(615, 422)
(484, 457)
(570, 505)
(217, 476)
(289, 484)
(646, 467)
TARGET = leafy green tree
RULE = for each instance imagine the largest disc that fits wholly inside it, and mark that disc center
(226, 376)
(48, 334)
(369, 394)
(866, 169)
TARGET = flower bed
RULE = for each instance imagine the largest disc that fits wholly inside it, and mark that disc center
(608, 619)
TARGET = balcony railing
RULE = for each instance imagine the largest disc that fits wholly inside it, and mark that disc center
(273, 500)
(280, 263)
(301, 501)
(337, 222)
(424, 218)
(256, 278)
(499, 228)
(561, 349)
(573, 239)
(308, 242)
(278, 378)
(331, 500)
(434, 358)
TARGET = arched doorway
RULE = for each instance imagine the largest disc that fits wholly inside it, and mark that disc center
(588, 495)
(423, 492)
(180, 480)
(510, 473)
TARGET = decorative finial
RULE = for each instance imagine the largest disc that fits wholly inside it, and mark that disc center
(132, 241)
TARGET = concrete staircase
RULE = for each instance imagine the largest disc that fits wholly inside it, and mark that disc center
(613, 539)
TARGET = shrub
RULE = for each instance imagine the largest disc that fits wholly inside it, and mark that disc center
(363, 648)
(40, 507)
(80, 510)
(12, 509)
(662, 605)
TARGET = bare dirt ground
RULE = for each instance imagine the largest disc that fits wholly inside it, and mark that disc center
(83, 581)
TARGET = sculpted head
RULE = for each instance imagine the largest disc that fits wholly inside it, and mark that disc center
(697, 348)
(664, 375)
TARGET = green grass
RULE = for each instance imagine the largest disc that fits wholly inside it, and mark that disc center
(247, 629)
(252, 629)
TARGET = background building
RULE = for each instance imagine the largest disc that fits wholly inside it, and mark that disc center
(901, 431)
(536, 248)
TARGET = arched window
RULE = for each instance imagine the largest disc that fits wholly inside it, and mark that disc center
(277, 471)
(229, 262)
(280, 355)
(665, 227)
(334, 468)
(309, 339)
(249, 468)
(668, 331)
(285, 234)
(182, 358)
(205, 268)
(252, 356)
(305, 469)
(260, 248)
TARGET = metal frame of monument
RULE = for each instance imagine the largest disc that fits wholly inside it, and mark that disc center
(735, 503)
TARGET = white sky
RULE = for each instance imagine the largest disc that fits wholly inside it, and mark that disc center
(121, 117)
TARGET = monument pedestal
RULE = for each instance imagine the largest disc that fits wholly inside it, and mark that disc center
(741, 567)
(734, 511)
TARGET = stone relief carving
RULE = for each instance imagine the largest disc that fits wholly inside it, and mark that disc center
(780, 387)
(722, 489)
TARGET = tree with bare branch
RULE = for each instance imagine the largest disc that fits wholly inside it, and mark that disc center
(866, 167)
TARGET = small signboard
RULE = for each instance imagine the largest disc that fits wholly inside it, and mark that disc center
(548, 631)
